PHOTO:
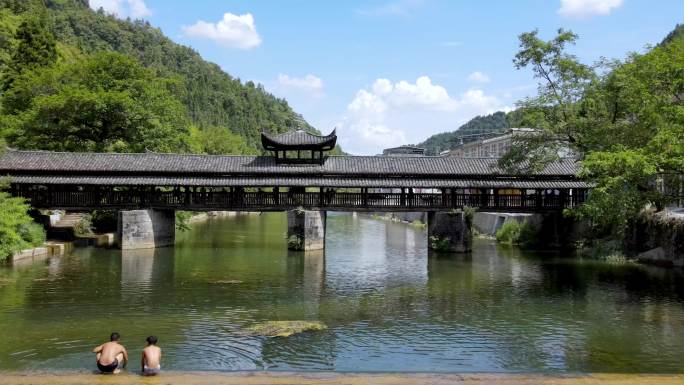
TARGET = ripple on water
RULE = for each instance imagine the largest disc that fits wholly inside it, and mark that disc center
(388, 305)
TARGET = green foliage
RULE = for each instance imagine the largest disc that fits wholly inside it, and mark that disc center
(218, 140)
(182, 219)
(508, 233)
(675, 34)
(17, 229)
(440, 244)
(177, 88)
(516, 233)
(494, 123)
(106, 102)
(211, 97)
(84, 227)
(624, 121)
(295, 242)
(32, 233)
(34, 46)
(104, 221)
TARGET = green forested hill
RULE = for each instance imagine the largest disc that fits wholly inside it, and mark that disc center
(496, 122)
(211, 97)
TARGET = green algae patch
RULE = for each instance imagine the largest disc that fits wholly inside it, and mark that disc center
(284, 328)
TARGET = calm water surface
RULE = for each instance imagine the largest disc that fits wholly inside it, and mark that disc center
(389, 306)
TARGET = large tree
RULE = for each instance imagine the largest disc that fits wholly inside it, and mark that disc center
(106, 102)
(624, 120)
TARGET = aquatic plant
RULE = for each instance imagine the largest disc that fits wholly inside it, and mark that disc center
(295, 242)
(440, 244)
(284, 328)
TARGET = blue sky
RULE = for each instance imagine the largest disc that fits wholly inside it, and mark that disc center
(394, 72)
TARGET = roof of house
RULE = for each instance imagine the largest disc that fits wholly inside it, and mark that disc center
(298, 140)
(13, 162)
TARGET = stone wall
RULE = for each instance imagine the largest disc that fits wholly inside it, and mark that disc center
(145, 229)
(306, 229)
(449, 232)
(657, 238)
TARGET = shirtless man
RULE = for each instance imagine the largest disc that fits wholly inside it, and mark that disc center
(151, 357)
(111, 355)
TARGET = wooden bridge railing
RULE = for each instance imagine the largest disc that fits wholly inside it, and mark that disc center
(542, 200)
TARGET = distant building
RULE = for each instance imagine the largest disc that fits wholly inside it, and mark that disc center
(492, 147)
(404, 151)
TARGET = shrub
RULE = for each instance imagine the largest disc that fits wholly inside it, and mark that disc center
(182, 218)
(17, 230)
(104, 221)
(295, 242)
(32, 233)
(515, 233)
(84, 227)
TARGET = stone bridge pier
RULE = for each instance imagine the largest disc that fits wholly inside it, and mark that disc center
(306, 230)
(449, 232)
(146, 229)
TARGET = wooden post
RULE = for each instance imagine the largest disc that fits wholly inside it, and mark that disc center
(538, 198)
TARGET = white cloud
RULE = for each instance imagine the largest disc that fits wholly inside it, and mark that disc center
(478, 77)
(587, 8)
(388, 114)
(122, 8)
(233, 31)
(310, 84)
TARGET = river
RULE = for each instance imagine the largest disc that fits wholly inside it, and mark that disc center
(388, 304)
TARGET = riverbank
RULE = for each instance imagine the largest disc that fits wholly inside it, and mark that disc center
(283, 378)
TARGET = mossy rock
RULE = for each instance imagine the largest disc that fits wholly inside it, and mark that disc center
(284, 328)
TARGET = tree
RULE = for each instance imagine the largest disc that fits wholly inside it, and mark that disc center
(106, 102)
(556, 109)
(218, 141)
(36, 47)
(625, 123)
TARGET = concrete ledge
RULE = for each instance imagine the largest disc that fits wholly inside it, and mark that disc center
(36, 252)
(335, 378)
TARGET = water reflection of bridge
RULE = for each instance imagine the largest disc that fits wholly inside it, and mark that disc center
(288, 180)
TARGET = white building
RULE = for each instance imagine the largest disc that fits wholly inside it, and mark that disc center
(493, 147)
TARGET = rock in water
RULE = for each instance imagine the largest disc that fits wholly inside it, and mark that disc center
(284, 328)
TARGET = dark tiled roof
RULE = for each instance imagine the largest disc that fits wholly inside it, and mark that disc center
(22, 162)
(298, 139)
(296, 181)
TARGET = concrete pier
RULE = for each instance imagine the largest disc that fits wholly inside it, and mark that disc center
(449, 232)
(306, 230)
(146, 229)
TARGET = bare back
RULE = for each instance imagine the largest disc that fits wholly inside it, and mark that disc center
(108, 351)
(151, 356)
